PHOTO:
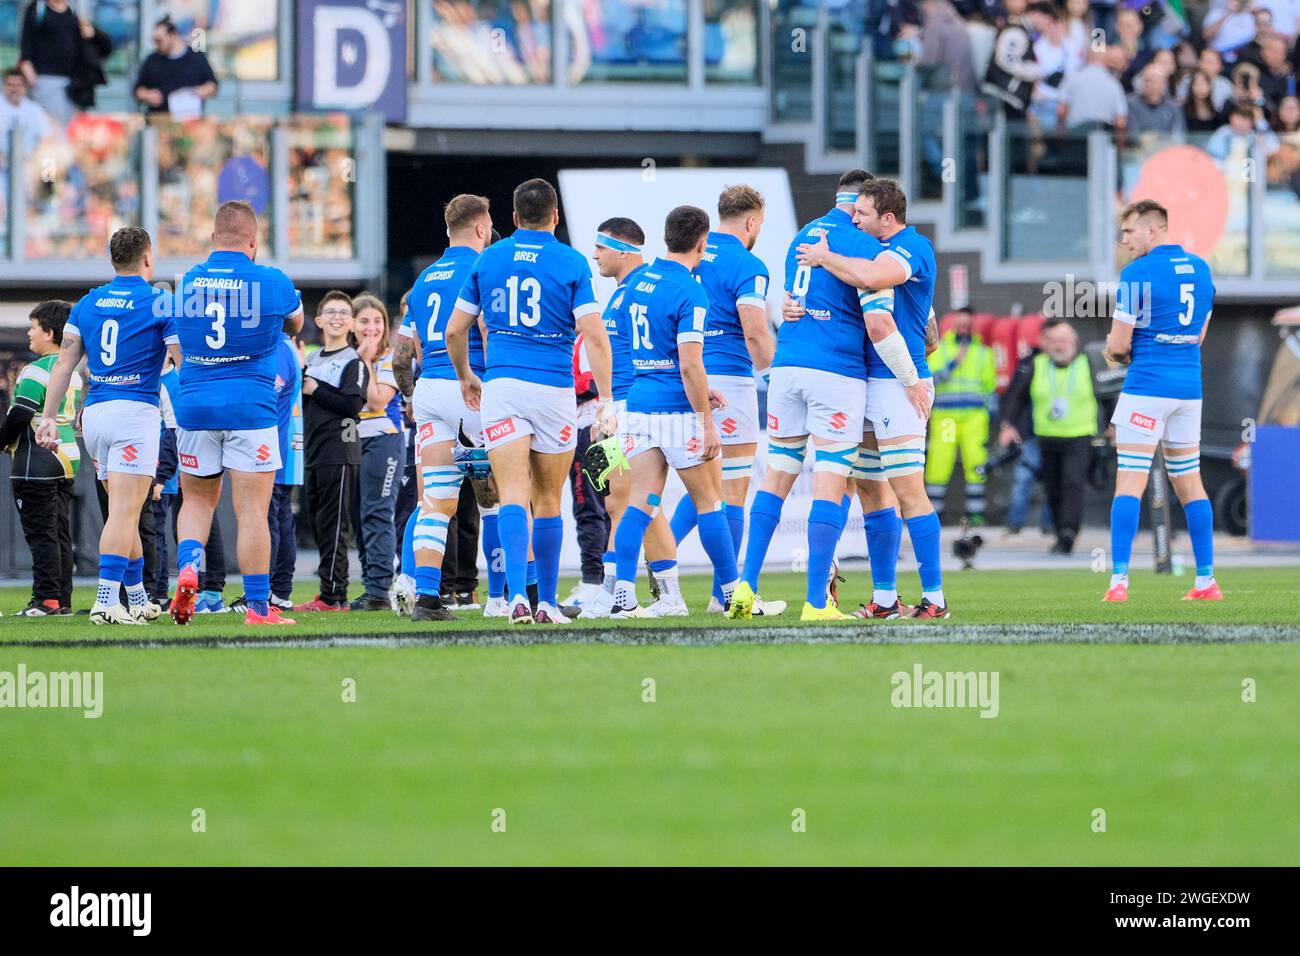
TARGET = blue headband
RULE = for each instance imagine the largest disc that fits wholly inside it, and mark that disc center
(618, 245)
(845, 199)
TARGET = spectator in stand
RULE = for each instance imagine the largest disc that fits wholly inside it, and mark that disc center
(1012, 70)
(1092, 97)
(1080, 21)
(893, 25)
(1229, 26)
(1152, 109)
(982, 34)
(18, 111)
(175, 78)
(1130, 38)
(1287, 119)
(946, 47)
(1237, 139)
(1276, 77)
(60, 56)
(1211, 64)
(1057, 59)
(1200, 114)
(1246, 91)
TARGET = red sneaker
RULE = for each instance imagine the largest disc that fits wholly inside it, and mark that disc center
(928, 611)
(187, 590)
(874, 611)
(272, 616)
(1212, 593)
(1117, 594)
(320, 604)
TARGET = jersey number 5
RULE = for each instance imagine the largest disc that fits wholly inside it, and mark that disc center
(531, 291)
(1187, 296)
(218, 336)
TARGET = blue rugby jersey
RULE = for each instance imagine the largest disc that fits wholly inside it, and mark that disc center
(666, 308)
(619, 328)
(530, 289)
(230, 318)
(1167, 296)
(732, 276)
(913, 298)
(832, 335)
(125, 327)
(428, 307)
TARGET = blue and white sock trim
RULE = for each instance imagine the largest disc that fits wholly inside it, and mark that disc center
(868, 466)
(1180, 462)
(734, 468)
(837, 458)
(441, 482)
(431, 532)
(905, 458)
(1136, 461)
(787, 454)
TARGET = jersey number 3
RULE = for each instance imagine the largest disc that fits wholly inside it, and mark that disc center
(218, 336)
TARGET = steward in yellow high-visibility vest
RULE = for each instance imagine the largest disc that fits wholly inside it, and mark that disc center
(965, 380)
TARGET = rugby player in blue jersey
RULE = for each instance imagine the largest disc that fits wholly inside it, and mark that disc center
(439, 409)
(531, 292)
(618, 257)
(232, 314)
(898, 284)
(1162, 315)
(669, 411)
(737, 346)
(125, 332)
(819, 388)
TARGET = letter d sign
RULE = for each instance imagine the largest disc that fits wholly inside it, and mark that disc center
(352, 56)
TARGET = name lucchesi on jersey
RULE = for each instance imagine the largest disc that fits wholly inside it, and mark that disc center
(74, 908)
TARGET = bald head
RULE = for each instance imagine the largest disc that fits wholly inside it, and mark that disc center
(235, 228)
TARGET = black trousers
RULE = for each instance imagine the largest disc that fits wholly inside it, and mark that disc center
(45, 512)
(328, 492)
(284, 541)
(590, 515)
(160, 584)
(460, 560)
(1065, 477)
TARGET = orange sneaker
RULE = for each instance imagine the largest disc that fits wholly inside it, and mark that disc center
(874, 611)
(272, 616)
(187, 590)
(1117, 594)
(1212, 593)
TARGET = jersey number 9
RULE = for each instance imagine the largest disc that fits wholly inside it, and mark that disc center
(108, 342)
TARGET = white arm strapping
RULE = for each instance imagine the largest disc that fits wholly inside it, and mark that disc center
(893, 352)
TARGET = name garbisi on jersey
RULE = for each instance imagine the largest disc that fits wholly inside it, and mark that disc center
(109, 302)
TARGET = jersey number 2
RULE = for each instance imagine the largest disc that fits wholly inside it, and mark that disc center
(435, 306)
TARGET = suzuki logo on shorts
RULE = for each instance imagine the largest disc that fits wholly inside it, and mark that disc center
(190, 461)
(566, 433)
(728, 426)
(839, 420)
(1142, 421)
(773, 421)
(263, 454)
(692, 446)
(500, 430)
(130, 453)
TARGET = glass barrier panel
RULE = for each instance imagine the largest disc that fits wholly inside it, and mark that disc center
(975, 117)
(1045, 195)
(1281, 210)
(322, 187)
(5, 140)
(885, 90)
(82, 183)
(792, 24)
(933, 89)
(1204, 181)
(618, 41)
(201, 164)
(731, 41)
(489, 42)
(240, 37)
(120, 19)
(840, 134)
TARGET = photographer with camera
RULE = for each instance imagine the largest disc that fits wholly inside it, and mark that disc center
(1066, 413)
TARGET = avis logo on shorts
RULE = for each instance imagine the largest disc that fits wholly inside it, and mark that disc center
(190, 461)
(500, 430)
(1142, 421)
(773, 421)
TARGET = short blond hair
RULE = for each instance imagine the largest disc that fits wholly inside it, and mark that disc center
(739, 201)
(463, 210)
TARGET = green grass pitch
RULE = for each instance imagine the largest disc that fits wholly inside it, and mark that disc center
(1133, 710)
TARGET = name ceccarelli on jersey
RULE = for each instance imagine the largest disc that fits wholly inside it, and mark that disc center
(134, 910)
(236, 297)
